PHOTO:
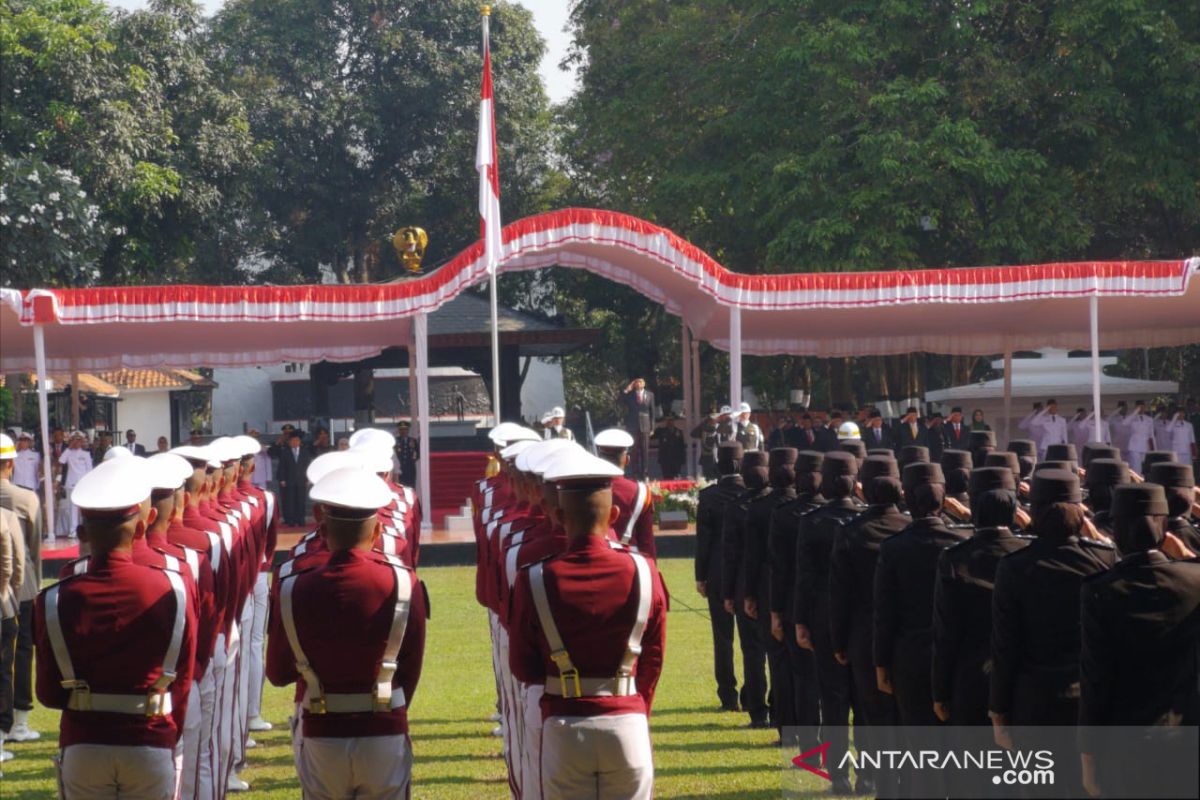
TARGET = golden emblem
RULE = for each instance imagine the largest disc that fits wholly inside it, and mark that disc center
(410, 244)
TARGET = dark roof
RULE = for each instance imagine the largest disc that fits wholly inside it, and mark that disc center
(465, 321)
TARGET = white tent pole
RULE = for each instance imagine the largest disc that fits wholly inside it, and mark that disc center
(495, 348)
(39, 350)
(735, 357)
(695, 357)
(1094, 314)
(685, 362)
(1007, 397)
(421, 333)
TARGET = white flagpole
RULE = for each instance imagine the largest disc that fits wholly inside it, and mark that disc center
(491, 237)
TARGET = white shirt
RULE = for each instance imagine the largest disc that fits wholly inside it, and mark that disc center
(1117, 431)
(1181, 435)
(1141, 433)
(25, 470)
(1083, 432)
(1049, 429)
(262, 469)
(78, 463)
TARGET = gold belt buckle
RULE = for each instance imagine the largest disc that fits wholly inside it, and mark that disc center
(155, 703)
(574, 676)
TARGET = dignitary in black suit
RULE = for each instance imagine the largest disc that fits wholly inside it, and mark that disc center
(637, 403)
(132, 445)
(294, 459)
(910, 431)
(956, 433)
(1138, 660)
(876, 436)
(710, 517)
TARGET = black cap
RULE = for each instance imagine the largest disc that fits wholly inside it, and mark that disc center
(913, 454)
(985, 479)
(1023, 447)
(855, 448)
(754, 458)
(1055, 486)
(1061, 452)
(1004, 459)
(979, 439)
(1069, 466)
(881, 451)
(809, 461)
(783, 456)
(1157, 457)
(1139, 500)
(838, 464)
(729, 454)
(921, 472)
(1107, 472)
(956, 459)
(1172, 476)
(956, 410)
(878, 467)
(1094, 450)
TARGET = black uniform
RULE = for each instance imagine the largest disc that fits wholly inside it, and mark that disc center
(759, 580)
(962, 621)
(710, 517)
(733, 587)
(813, 550)
(1139, 662)
(671, 450)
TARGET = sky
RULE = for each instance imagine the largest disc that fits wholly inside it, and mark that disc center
(549, 17)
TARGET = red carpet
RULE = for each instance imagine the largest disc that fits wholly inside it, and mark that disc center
(451, 477)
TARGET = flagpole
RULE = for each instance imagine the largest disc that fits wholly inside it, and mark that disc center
(490, 237)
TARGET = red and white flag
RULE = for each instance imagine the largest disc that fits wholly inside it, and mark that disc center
(485, 164)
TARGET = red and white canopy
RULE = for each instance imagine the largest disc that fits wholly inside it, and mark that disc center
(979, 310)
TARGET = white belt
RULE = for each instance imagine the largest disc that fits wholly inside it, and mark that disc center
(154, 704)
(363, 703)
(622, 686)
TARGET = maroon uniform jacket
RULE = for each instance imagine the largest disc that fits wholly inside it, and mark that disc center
(591, 589)
(343, 613)
(117, 620)
(630, 496)
(537, 543)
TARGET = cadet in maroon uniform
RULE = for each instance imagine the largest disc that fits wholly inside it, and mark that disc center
(353, 629)
(115, 650)
(590, 626)
(635, 520)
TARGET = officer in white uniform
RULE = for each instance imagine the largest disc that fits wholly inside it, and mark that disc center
(1048, 428)
(1180, 436)
(27, 471)
(77, 460)
(1117, 431)
(1140, 427)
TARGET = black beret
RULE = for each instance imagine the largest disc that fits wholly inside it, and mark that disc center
(755, 458)
(1107, 472)
(1023, 447)
(912, 454)
(1055, 486)
(838, 463)
(956, 459)
(809, 461)
(985, 479)
(1156, 457)
(922, 472)
(856, 448)
(730, 450)
(1061, 452)
(878, 467)
(1004, 459)
(783, 456)
(1069, 466)
(979, 439)
(1172, 476)
(881, 451)
(1094, 450)
(1139, 500)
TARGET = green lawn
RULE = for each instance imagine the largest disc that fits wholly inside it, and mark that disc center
(698, 753)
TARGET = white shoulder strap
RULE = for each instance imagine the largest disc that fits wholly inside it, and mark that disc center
(193, 561)
(510, 560)
(300, 548)
(313, 693)
(639, 505)
(400, 610)
(645, 590)
(80, 566)
(58, 643)
(558, 651)
(270, 498)
(170, 665)
(226, 534)
(214, 550)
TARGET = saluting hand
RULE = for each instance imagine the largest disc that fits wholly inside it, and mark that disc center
(728, 606)
(803, 636)
(776, 627)
(840, 657)
(883, 680)
(750, 606)
(941, 711)
(702, 588)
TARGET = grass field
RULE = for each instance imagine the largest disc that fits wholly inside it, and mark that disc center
(698, 753)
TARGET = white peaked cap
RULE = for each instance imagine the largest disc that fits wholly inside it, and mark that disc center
(8, 450)
(509, 432)
(372, 437)
(169, 470)
(744, 408)
(373, 457)
(514, 449)
(114, 485)
(193, 453)
(580, 464)
(547, 417)
(558, 411)
(114, 453)
(224, 448)
(614, 437)
(725, 410)
(351, 487)
(326, 463)
(539, 452)
(248, 445)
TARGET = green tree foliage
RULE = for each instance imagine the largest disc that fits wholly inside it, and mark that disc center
(368, 112)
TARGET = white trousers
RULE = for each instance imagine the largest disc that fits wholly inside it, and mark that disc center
(101, 771)
(258, 636)
(510, 714)
(1135, 460)
(531, 750)
(364, 768)
(197, 779)
(606, 758)
(241, 726)
(217, 667)
(66, 517)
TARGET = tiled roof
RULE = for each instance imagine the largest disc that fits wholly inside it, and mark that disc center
(155, 378)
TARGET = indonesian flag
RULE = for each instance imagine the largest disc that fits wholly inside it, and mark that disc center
(485, 164)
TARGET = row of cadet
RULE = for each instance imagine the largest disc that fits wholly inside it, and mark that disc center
(991, 589)
(576, 613)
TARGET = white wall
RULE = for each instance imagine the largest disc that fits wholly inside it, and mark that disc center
(543, 388)
(148, 413)
(243, 396)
